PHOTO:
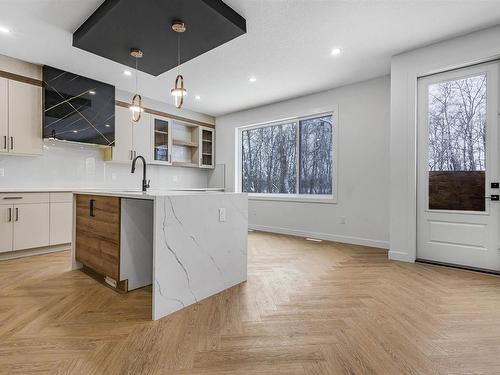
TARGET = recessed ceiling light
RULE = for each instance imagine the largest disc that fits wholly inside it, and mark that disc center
(107, 125)
(4, 30)
(336, 51)
(91, 92)
(127, 72)
(75, 131)
(197, 97)
(252, 79)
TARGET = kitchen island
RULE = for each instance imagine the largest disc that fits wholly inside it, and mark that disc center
(189, 245)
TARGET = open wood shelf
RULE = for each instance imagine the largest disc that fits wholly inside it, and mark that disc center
(181, 142)
(184, 164)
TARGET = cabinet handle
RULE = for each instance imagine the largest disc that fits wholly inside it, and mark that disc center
(12, 197)
(92, 208)
(131, 154)
(17, 214)
(5, 142)
(135, 154)
(11, 143)
(10, 214)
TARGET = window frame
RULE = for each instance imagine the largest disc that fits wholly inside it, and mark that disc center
(301, 198)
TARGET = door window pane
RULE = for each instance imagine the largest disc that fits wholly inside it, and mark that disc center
(457, 144)
(315, 147)
(269, 159)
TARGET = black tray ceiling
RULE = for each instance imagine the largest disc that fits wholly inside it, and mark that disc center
(118, 25)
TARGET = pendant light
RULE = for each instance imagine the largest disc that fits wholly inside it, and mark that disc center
(136, 105)
(178, 92)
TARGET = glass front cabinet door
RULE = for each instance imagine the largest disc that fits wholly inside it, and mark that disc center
(162, 140)
(206, 147)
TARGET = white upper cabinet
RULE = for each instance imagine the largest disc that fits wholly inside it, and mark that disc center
(161, 130)
(4, 115)
(25, 118)
(123, 149)
(206, 147)
(131, 138)
(141, 132)
(20, 118)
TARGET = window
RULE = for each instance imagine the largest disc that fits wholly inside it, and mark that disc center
(291, 159)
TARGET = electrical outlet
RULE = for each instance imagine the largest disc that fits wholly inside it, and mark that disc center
(222, 214)
(175, 178)
(342, 220)
(2, 172)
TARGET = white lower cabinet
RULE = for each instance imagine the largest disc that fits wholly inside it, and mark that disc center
(61, 220)
(35, 220)
(31, 226)
(6, 228)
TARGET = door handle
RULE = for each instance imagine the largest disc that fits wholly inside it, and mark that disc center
(17, 213)
(92, 208)
(493, 197)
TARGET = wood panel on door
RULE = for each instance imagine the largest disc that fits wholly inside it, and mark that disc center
(98, 234)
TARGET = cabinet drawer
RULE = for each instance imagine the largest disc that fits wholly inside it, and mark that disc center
(101, 255)
(97, 241)
(23, 198)
(99, 215)
(61, 197)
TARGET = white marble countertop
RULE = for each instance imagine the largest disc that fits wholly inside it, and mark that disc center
(61, 190)
(152, 194)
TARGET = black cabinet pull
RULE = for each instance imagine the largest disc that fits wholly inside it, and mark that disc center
(92, 207)
(17, 214)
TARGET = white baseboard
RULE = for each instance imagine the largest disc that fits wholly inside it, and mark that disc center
(36, 251)
(323, 236)
(400, 256)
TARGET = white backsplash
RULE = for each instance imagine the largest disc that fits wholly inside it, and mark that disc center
(65, 165)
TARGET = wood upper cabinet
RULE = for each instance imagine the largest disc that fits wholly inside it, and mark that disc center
(25, 118)
(98, 233)
(4, 115)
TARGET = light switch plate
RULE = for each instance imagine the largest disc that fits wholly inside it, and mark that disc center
(222, 214)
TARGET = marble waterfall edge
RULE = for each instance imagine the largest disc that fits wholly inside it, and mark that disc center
(195, 255)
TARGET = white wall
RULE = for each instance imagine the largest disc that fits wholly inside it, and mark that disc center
(405, 68)
(65, 165)
(363, 173)
(82, 166)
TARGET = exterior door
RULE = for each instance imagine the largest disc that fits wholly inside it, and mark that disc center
(458, 164)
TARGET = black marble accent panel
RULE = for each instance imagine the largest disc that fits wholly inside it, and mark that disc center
(77, 109)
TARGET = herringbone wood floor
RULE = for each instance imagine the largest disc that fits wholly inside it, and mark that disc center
(307, 308)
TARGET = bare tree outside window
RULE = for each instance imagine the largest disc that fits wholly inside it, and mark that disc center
(316, 156)
(457, 125)
(288, 158)
(269, 160)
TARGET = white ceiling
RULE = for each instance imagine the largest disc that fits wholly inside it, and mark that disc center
(287, 46)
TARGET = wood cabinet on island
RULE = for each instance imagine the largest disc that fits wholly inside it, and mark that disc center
(188, 245)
